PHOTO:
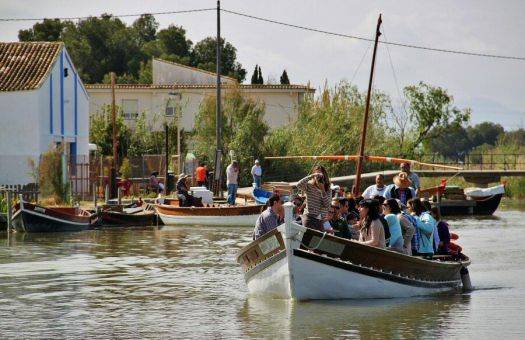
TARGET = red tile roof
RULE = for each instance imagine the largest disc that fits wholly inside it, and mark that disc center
(25, 65)
(198, 86)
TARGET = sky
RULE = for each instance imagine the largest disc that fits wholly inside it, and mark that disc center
(493, 88)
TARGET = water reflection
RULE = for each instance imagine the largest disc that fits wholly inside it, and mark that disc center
(391, 318)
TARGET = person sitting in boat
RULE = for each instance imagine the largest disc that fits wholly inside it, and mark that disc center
(371, 230)
(316, 187)
(401, 189)
(376, 189)
(424, 234)
(412, 176)
(271, 218)
(338, 223)
(298, 207)
(443, 232)
(428, 208)
(154, 183)
(391, 211)
(185, 199)
(408, 226)
(256, 174)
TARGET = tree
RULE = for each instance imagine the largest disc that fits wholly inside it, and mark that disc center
(284, 78)
(255, 75)
(204, 57)
(47, 30)
(484, 133)
(145, 27)
(442, 144)
(430, 107)
(260, 79)
(243, 130)
(101, 132)
(174, 44)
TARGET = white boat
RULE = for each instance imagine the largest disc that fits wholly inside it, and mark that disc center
(240, 215)
(293, 262)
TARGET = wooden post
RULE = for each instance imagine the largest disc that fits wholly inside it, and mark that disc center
(166, 165)
(94, 195)
(360, 160)
(114, 170)
(9, 210)
(119, 196)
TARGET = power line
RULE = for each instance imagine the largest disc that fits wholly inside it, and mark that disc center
(114, 16)
(311, 29)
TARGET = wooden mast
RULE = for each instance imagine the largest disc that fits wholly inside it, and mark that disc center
(113, 171)
(357, 183)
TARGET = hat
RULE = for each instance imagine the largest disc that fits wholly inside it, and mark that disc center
(401, 180)
(256, 161)
(182, 175)
(154, 173)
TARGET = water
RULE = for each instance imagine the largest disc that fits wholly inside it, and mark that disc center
(182, 282)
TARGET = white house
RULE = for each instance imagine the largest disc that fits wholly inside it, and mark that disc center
(180, 86)
(43, 103)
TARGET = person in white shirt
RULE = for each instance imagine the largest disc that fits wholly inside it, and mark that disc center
(232, 177)
(376, 189)
(257, 174)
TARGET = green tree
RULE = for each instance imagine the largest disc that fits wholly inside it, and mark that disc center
(442, 143)
(484, 133)
(430, 107)
(255, 75)
(260, 79)
(101, 132)
(284, 78)
(47, 30)
(145, 27)
(174, 44)
(243, 130)
(204, 57)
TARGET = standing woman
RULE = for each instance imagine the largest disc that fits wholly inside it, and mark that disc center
(316, 187)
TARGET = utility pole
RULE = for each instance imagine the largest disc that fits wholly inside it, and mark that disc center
(218, 127)
(357, 182)
(114, 165)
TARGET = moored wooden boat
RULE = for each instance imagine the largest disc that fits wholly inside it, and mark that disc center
(294, 262)
(239, 215)
(471, 201)
(261, 196)
(128, 217)
(33, 218)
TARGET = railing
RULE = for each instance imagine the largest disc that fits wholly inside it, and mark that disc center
(478, 161)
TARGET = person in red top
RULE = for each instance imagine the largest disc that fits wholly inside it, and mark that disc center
(200, 174)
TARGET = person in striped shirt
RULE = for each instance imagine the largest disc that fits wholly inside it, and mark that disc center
(316, 187)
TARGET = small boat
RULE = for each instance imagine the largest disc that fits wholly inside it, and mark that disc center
(128, 216)
(218, 215)
(33, 218)
(470, 201)
(294, 262)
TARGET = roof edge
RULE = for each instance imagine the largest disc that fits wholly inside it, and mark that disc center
(194, 68)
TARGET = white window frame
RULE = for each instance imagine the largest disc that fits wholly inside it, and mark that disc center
(128, 114)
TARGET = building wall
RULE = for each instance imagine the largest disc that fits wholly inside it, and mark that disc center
(32, 121)
(166, 73)
(280, 105)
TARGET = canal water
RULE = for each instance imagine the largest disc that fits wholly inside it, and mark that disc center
(183, 282)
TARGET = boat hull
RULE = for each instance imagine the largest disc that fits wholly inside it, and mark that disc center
(479, 206)
(114, 218)
(209, 216)
(291, 278)
(32, 218)
(293, 262)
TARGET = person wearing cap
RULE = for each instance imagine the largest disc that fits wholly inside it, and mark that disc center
(412, 176)
(271, 218)
(182, 190)
(376, 189)
(401, 189)
(257, 174)
(232, 181)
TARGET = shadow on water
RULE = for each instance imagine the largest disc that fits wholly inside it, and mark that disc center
(385, 318)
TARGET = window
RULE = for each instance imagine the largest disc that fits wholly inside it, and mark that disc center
(130, 108)
(172, 105)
